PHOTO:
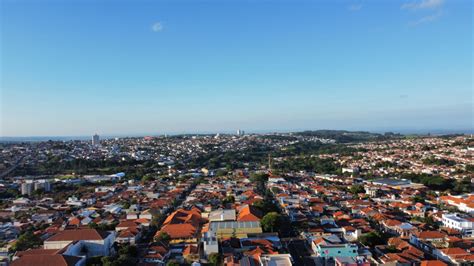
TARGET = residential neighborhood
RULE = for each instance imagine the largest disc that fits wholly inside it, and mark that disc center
(375, 205)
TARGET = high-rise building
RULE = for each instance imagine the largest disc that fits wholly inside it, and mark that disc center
(27, 187)
(95, 140)
(43, 184)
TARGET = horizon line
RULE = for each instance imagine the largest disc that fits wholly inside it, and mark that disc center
(257, 132)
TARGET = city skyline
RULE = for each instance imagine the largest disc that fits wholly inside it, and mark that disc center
(131, 68)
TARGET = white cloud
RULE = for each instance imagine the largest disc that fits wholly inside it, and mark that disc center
(423, 4)
(157, 26)
(427, 19)
(355, 7)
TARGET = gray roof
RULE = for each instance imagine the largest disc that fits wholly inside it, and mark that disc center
(232, 224)
(222, 215)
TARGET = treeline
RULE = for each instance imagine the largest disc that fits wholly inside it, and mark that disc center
(310, 164)
(436, 182)
(230, 159)
(344, 136)
(310, 148)
(57, 166)
(258, 155)
(438, 161)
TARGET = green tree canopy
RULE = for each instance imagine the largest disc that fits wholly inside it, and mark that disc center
(163, 237)
(215, 259)
(371, 239)
(26, 241)
(271, 222)
(356, 189)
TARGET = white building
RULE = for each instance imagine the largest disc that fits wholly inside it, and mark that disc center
(94, 242)
(210, 242)
(27, 187)
(222, 215)
(74, 201)
(43, 184)
(464, 225)
(276, 259)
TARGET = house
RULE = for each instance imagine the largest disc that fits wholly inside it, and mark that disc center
(209, 241)
(433, 263)
(276, 259)
(180, 232)
(248, 213)
(455, 256)
(351, 261)
(182, 225)
(463, 225)
(391, 225)
(464, 203)
(190, 253)
(93, 242)
(49, 260)
(325, 248)
(123, 225)
(222, 215)
(130, 235)
(146, 214)
(157, 254)
(429, 241)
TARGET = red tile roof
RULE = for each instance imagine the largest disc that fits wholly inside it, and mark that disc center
(79, 234)
(454, 251)
(38, 251)
(176, 231)
(46, 260)
(182, 216)
(430, 234)
(433, 263)
(249, 214)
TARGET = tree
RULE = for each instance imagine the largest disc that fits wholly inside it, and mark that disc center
(356, 189)
(391, 249)
(128, 250)
(106, 261)
(265, 206)
(371, 239)
(147, 178)
(215, 259)
(172, 263)
(228, 199)
(93, 225)
(463, 186)
(470, 168)
(26, 241)
(125, 205)
(163, 237)
(418, 198)
(276, 190)
(271, 222)
(126, 255)
(157, 219)
(96, 261)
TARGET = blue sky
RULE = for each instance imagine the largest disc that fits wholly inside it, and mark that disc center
(151, 67)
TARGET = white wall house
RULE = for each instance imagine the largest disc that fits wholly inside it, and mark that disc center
(464, 225)
(94, 242)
